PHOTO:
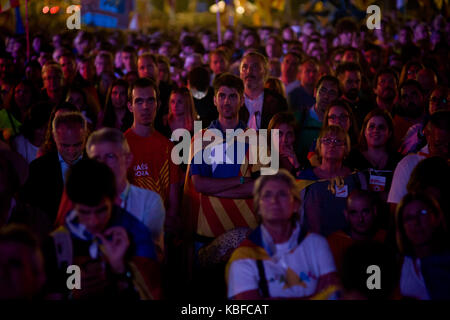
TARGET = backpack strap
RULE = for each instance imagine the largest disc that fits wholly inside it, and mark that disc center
(63, 245)
(263, 287)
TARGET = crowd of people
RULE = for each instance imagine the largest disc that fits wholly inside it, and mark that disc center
(88, 178)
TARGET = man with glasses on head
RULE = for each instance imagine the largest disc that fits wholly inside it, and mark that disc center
(310, 120)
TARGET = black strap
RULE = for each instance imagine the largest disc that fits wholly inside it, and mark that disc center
(263, 287)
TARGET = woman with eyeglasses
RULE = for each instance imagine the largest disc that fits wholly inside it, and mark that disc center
(280, 259)
(338, 113)
(327, 186)
(423, 241)
(375, 154)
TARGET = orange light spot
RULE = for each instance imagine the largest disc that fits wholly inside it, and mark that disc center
(54, 10)
(45, 9)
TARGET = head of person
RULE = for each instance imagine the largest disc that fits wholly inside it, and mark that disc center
(254, 70)
(349, 75)
(181, 105)
(103, 62)
(84, 42)
(288, 34)
(346, 29)
(118, 94)
(22, 273)
(361, 212)
(439, 99)
(411, 98)
(410, 70)
(333, 144)
(198, 79)
(23, 94)
(275, 84)
(91, 186)
(277, 199)
(163, 65)
(273, 47)
(386, 84)
(109, 146)
(52, 75)
(405, 35)
(339, 113)
(274, 68)
(373, 55)
(69, 131)
(287, 126)
(437, 134)
(427, 79)
(351, 55)
(290, 65)
(377, 130)
(129, 57)
(421, 32)
(193, 60)
(68, 65)
(77, 97)
(228, 95)
(86, 68)
(147, 67)
(35, 124)
(308, 73)
(327, 90)
(419, 222)
(143, 101)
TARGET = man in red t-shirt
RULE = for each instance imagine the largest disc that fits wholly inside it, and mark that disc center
(152, 166)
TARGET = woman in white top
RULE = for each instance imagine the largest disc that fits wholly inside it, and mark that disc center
(279, 259)
(422, 239)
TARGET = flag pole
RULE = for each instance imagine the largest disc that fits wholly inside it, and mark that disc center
(219, 33)
(27, 30)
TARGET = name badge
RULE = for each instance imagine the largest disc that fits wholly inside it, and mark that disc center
(377, 183)
(342, 192)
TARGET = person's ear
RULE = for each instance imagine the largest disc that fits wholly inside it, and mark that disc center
(130, 106)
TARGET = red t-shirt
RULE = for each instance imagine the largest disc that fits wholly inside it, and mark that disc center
(152, 166)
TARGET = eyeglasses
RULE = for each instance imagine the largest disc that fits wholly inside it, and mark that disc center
(324, 91)
(342, 117)
(329, 141)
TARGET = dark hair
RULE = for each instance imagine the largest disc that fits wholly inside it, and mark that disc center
(346, 25)
(440, 119)
(35, 118)
(386, 71)
(88, 182)
(229, 80)
(377, 112)
(347, 66)
(329, 78)
(198, 78)
(430, 172)
(143, 83)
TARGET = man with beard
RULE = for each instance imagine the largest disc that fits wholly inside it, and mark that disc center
(410, 110)
(349, 75)
(260, 104)
(386, 89)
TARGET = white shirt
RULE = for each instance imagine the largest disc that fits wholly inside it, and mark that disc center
(292, 271)
(254, 108)
(412, 283)
(402, 174)
(26, 149)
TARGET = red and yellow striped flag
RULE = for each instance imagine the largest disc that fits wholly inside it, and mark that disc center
(8, 4)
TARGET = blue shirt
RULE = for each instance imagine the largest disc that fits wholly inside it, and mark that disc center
(220, 169)
(65, 166)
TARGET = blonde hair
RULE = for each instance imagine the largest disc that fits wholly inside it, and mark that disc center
(190, 115)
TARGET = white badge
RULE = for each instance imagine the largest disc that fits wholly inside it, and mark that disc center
(342, 192)
(377, 183)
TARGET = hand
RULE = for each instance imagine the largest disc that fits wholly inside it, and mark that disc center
(290, 154)
(115, 248)
(335, 182)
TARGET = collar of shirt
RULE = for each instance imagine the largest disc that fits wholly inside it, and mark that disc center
(269, 245)
(254, 105)
(65, 166)
(124, 196)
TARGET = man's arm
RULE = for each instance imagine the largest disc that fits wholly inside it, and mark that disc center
(223, 187)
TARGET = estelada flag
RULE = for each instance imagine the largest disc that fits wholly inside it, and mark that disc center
(8, 4)
(211, 216)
